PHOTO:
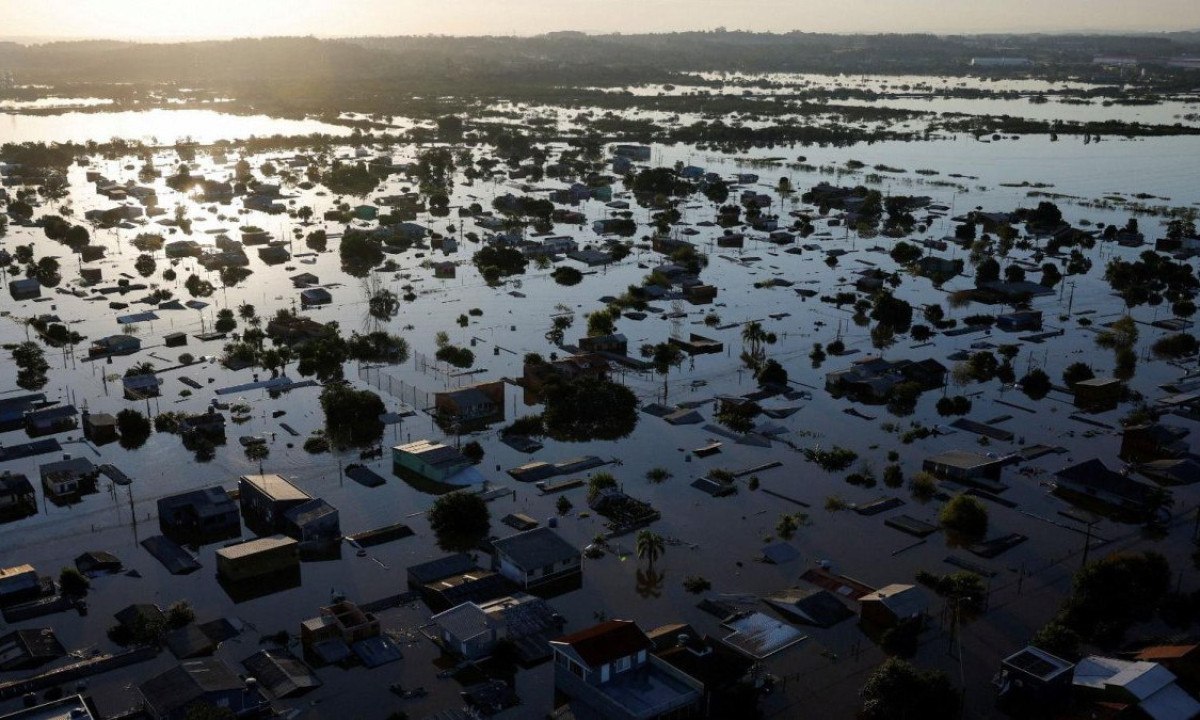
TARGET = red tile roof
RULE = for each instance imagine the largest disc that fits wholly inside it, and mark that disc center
(607, 641)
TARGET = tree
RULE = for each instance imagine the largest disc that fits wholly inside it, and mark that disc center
(987, 271)
(650, 546)
(754, 342)
(31, 366)
(663, 357)
(1057, 639)
(145, 265)
(899, 691)
(1110, 594)
(352, 416)
(587, 408)
(1014, 274)
(134, 427)
(1077, 372)
(73, 582)
(965, 516)
(1036, 384)
(459, 520)
(563, 505)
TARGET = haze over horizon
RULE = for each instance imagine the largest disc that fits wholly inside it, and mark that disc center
(140, 20)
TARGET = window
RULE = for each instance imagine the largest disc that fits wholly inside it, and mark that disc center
(621, 664)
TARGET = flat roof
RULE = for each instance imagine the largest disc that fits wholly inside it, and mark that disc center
(68, 708)
(276, 487)
(252, 547)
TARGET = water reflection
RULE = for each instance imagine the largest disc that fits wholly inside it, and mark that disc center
(161, 126)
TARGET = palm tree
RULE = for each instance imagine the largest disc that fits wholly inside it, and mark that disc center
(754, 341)
(650, 546)
(663, 356)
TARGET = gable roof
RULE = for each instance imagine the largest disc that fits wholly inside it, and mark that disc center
(1096, 475)
(186, 683)
(606, 642)
(535, 548)
(901, 600)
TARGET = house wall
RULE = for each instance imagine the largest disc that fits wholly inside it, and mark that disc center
(537, 576)
(261, 563)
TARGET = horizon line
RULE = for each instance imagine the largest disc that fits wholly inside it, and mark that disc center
(31, 40)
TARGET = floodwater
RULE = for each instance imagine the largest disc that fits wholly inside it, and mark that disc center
(717, 538)
(154, 126)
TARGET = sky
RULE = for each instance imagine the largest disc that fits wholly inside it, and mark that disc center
(194, 19)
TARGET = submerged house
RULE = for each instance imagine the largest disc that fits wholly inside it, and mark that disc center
(472, 630)
(893, 604)
(17, 496)
(536, 557)
(114, 345)
(204, 515)
(67, 479)
(174, 693)
(472, 404)
(266, 499)
(1153, 441)
(1092, 479)
(609, 669)
(430, 460)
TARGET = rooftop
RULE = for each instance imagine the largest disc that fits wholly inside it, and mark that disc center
(1038, 663)
(607, 641)
(68, 708)
(276, 487)
(434, 453)
(535, 548)
(246, 549)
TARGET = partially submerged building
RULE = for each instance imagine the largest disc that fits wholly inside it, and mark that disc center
(610, 670)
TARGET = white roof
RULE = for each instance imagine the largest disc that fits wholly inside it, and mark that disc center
(1139, 678)
(1152, 684)
(760, 636)
(1171, 703)
(903, 600)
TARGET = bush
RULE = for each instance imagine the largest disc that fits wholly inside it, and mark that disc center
(893, 475)
(658, 474)
(456, 356)
(696, 584)
(316, 444)
(1174, 346)
(179, 614)
(965, 516)
(598, 482)
(473, 451)
(567, 276)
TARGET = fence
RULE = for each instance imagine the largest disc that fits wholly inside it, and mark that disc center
(384, 381)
